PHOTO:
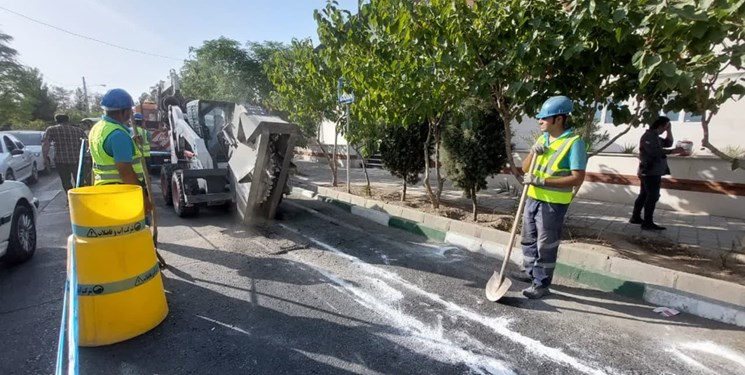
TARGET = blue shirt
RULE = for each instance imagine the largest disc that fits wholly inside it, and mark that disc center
(577, 160)
(119, 144)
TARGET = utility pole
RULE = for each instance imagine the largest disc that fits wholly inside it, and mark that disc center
(346, 99)
(85, 97)
(349, 147)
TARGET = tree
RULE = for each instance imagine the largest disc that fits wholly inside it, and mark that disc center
(389, 53)
(222, 69)
(473, 142)
(9, 68)
(304, 87)
(400, 151)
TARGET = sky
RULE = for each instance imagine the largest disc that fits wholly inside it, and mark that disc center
(160, 27)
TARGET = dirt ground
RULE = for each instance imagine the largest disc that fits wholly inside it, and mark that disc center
(663, 254)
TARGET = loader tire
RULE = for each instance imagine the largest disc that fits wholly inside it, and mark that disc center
(177, 196)
(166, 173)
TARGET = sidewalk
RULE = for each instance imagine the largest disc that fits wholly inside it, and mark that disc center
(701, 233)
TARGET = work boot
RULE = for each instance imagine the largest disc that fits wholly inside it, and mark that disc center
(635, 220)
(652, 226)
(536, 292)
(521, 276)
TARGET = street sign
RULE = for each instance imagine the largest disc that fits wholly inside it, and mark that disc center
(344, 98)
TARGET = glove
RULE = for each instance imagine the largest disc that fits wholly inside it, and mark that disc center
(533, 180)
(538, 148)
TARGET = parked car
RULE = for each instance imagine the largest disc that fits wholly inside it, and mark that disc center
(18, 213)
(32, 140)
(15, 162)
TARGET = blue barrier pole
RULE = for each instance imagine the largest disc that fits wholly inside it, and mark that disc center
(61, 341)
(70, 300)
(73, 367)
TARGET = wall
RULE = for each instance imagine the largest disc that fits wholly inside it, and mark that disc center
(326, 137)
(697, 184)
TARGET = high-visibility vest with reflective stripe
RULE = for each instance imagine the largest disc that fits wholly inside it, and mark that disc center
(145, 135)
(104, 166)
(547, 166)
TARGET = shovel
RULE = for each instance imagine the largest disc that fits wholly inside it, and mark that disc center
(498, 284)
(161, 261)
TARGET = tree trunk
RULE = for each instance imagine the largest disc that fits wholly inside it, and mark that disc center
(427, 187)
(438, 174)
(364, 170)
(714, 150)
(403, 195)
(475, 206)
(433, 132)
(328, 159)
(507, 122)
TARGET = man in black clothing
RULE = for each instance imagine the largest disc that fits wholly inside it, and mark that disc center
(653, 151)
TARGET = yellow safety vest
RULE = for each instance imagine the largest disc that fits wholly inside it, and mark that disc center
(104, 166)
(145, 135)
(547, 166)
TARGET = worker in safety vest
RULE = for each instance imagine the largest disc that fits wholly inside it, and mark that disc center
(142, 136)
(560, 168)
(116, 159)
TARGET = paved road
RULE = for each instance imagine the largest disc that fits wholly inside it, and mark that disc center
(320, 291)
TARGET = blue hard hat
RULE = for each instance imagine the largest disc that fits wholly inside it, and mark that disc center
(138, 116)
(555, 105)
(115, 99)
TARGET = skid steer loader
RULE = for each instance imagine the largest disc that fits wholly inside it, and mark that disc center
(226, 155)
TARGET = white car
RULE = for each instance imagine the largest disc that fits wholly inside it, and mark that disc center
(32, 141)
(18, 213)
(15, 162)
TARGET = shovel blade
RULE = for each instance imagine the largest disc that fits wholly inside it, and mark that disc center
(496, 290)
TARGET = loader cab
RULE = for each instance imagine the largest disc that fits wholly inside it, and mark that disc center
(208, 119)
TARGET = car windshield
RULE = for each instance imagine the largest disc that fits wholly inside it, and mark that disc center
(29, 139)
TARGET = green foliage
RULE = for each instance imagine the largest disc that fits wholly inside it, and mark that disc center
(688, 48)
(222, 69)
(401, 150)
(474, 147)
(304, 86)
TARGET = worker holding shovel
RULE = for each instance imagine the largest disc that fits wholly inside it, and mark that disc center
(561, 159)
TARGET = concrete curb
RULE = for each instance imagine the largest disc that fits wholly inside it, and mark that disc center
(696, 295)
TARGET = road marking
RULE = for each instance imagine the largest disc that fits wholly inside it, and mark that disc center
(234, 328)
(497, 325)
(345, 366)
(692, 362)
(717, 350)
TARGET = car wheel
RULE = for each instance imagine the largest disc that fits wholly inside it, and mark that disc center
(34, 174)
(9, 175)
(22, 241)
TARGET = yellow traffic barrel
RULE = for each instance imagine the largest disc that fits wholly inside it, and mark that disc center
(120, 289)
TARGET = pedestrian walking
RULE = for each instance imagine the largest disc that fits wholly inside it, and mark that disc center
(561, 159)
(66, 139)
(653, 151)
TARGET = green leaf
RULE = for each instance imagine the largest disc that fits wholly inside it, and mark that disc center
(668, 69)
(638, 59)
(619, 15)
(652, 61)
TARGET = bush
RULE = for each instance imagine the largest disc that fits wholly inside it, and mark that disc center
(474, 148)
(402, 152)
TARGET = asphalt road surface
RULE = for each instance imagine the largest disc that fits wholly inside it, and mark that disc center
(319, 291)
